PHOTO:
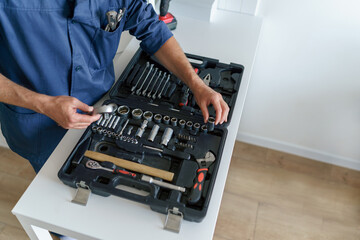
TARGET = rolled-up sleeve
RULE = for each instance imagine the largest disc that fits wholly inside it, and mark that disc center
(143, 23)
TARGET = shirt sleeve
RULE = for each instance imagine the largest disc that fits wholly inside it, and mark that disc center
(143, 23)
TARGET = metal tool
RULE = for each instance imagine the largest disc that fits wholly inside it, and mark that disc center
(112, 121)
(120, 14)
(95, 165)
(112, 21)
(204, 128)
(136, 113)
(153, 133)
(166, 119)
(207, 79)
(129, 165)
(142, 74)
(185, 145)
(123, 111)
(141, 129)
(182, 123)
(167, 80)
(122, 129)
(148, 116)
(161, 184)
(108, 121)
(152, 87)
(204, 164)
(196, 127)
(158, 87)
(189, 125)
(186, 137)
(129, 130)
(184, 99)
(116, 122)
(109, 108)
(157, 118)
(211, 123)
(138, 91)
(151, 79)
(100, 119)
(166, 137)
(174, 121)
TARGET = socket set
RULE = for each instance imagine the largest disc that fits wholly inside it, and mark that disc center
(155, 141)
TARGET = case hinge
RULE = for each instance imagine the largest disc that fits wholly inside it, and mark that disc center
(173, 220)
(82, 193)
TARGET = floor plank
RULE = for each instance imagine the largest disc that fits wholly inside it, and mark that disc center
(10, 232)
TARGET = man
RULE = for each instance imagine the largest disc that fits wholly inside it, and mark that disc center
(56, 59)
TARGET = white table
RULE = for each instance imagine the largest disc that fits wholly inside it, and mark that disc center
(46, 204)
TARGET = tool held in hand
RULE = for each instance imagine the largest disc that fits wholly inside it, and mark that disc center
(204, 164)
(95, 165)
(136, 167)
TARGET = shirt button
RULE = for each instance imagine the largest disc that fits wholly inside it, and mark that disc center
(78, 68)
(73, 21)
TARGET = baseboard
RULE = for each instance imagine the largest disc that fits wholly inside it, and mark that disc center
(299, 150)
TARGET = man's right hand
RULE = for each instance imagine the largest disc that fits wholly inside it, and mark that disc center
(64, 111)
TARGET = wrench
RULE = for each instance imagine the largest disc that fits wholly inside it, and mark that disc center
(95, 165)
(142, 84)
(158, 87)
(152, 87)
(204, 164)
(151, 79)
(159, 96)
(142, 74)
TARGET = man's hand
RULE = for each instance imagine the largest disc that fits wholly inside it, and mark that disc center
(63, 110)
(205, 96)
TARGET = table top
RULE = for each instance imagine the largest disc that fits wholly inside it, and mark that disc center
(229, 37)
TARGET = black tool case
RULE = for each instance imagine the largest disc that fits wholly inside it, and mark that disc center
(187, 142)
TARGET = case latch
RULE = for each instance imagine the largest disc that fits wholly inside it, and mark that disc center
(82, 193)
(173, 220)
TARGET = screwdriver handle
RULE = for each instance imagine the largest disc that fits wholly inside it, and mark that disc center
(124, 172)
(198, 186)
(184, 98)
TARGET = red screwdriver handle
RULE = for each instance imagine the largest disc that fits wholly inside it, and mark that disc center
(198, 186)
(124, 172)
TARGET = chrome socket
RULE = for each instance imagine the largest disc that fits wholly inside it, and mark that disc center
(153, 133)
(196, 127)
(123, 111)
(148, 116)
(211, 124)
(166, 119)
(204, 128)
(157, 118)
(166, 137)
(174, 121)
(137, 113)
(189, 125)
(182, 123)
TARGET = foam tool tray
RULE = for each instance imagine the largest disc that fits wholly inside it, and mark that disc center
(154, 147)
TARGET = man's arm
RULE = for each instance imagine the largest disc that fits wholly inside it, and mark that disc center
(174, 59)
(62, 109)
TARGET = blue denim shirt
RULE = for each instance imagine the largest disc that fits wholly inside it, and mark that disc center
(59, 47)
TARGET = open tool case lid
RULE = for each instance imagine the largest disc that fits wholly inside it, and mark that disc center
(178, 156)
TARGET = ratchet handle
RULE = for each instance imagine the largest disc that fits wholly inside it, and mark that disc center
(198, 186)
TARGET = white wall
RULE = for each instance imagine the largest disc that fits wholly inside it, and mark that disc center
(304, 95)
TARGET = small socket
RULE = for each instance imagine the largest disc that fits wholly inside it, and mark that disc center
(157, 118)
(211, 123)
(148, 116)
(189, 125)
(166, 119)
(136, 113)
(196, 126)
(123, 111)
(141, 129)
(182, 123)
(204, 128)
(174, 121)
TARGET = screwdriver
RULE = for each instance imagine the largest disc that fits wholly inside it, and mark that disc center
(184, 99)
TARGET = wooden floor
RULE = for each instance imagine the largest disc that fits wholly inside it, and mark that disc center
(269, 195)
